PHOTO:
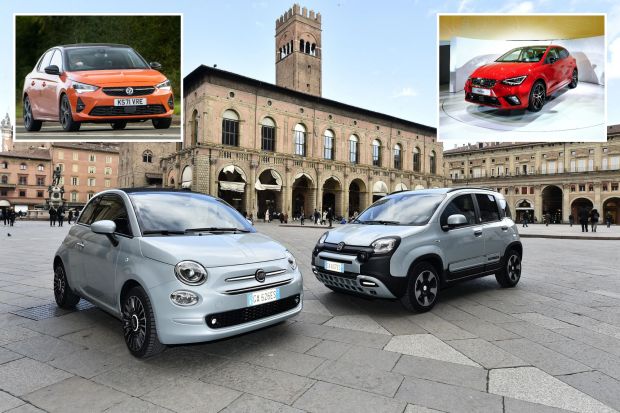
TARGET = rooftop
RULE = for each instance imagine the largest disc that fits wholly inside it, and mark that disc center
(42, 154)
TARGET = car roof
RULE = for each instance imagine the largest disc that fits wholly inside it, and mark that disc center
(78, 45)
(441, 191)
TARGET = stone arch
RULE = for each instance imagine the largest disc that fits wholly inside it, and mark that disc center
(187, 177)
(332, 195)
(578, 204)
(379, 190)
(611, 205)
(358, 193)
(522, 207)
(232, 185)
(552, 202)
(303, 194)
(268, 188)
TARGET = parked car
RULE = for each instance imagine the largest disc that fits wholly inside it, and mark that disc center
(522, 78)
(102, 83)
(408, 245)
(175, 267)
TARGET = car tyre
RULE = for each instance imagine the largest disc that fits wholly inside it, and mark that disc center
(64, 296)
(162, 123)
(138, 321)
(537, 98)
(66, 116)
(121, 124)
(574, 79)
(30, 123)
(423, 287)
(510, 274)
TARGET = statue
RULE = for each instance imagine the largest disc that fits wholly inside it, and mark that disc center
(56, 193)
(56, 177)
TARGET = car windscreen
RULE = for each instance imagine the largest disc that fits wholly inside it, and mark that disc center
(528, 54)
(402, 209)
(168, 213)
(103, 58)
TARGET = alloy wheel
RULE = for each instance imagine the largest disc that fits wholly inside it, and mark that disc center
(134, 323)
(426, 288)
(59, 283)
(574, 79)
(27, 113)
(538, 96)
(514, 268)
(65, 112)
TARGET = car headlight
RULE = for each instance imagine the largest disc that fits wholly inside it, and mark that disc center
(323, 238)
(384, 245)
(292, 262)
(514, 81)
(83, 87)
(190, 273)
(165, 85)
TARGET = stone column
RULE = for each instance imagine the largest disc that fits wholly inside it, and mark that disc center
(287, 192)
(597, 200)
(566, 209)
(345, 204)
(537, 203)
(252, 204)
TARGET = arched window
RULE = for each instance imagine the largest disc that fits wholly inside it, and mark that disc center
(230, 128)
(313, 49)
(301, 45)
(353, 149)
(40, 167)
(416, 159)
(376, 152)
(300, 140)
(147, 156)
(307, 50)
(194, 128)
(23, 166)
(328, 145)
(268, 135)
(433, 163)
(398, 164)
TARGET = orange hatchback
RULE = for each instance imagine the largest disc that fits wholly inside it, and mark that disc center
(100, 83)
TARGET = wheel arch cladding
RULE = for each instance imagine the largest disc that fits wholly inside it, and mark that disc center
(128, 285)
(433, 259)
(515, 245)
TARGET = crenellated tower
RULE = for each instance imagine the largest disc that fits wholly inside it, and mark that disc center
(299, 50)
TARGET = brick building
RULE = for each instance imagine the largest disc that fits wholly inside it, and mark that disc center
(24, 177)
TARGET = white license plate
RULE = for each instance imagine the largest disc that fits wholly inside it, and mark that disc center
(480, 91)
(130, 102)
(263, 296)
(334, 266)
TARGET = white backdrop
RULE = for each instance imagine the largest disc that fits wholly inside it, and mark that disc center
(467, 54)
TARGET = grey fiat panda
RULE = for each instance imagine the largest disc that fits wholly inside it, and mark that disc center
(410, 244)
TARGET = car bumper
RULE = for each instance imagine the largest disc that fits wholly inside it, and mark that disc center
(500, 96)
(179, 325)
(97, 106)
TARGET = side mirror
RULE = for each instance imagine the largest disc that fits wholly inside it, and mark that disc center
(52, 70)
(107, 228)
(552, 60)
(155, 65)
(456, 220)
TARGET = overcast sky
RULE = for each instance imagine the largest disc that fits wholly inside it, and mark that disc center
(379, 58)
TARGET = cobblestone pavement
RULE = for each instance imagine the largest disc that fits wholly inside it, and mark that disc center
(552, 343)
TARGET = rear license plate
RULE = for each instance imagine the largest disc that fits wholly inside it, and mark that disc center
(334, 266)
(480, 91)
(130, 102)
(263, 296)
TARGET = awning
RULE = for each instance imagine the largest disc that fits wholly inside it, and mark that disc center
(300, 174)
(400, 187)
(270, 187)
(232, 186)
(379, 188)
(187, 184)
(418, 187)
(232, 168)
(4, 203)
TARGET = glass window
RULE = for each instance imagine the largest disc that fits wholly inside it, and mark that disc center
(107, 171)
(553, 54)
(416, 159)
(87, 213)
(92, 169)
(268, 135)
(92, 157)
(462, 204)
(488, 207)
(57, 60)
(353, 149)
(45, 60)
(40, 168)
(524, 54)
(563, 53)
(112, 207)
(23, 166)
(433, 163)
(147, 157)
(376, 153)
(300, 140)
(194, 127)
(397, 157)
(401, 209)
(230, 128)
(328, 148)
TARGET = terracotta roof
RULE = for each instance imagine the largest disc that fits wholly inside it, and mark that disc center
(42, 154)
(87, 146)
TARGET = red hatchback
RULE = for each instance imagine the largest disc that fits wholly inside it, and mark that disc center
(522, 78)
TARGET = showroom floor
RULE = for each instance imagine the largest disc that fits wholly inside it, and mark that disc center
(569, 115)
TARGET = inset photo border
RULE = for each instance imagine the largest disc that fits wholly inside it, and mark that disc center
(525, 78)
(99, 77)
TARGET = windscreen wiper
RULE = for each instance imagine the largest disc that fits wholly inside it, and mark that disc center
(216, 229)
(163, 232)
(381, 222)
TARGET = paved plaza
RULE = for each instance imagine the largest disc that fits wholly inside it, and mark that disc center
(548, 345)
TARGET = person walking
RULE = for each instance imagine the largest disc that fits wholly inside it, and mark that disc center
(330, 216)
(608, 219)
(571, 220)
(2, 216)
(583, 219)
(302, 216)
(52, 217)
(525, 219)
(267, 216)
(324, 217)
(70, 217)
(11, 217)
(61, 216)
(316, 215)
(594, 217)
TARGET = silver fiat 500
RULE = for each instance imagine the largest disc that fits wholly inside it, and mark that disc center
(175, 267)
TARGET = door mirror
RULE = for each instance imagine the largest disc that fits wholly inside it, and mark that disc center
(52, 70)
(155, 65)
(552, 60)
(456, 220)
(104, 227)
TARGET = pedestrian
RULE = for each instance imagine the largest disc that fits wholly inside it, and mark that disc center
(281, 217)
(11, 216)
(594, 216)
(60, 216)
(608, 219)
(70, 216)
(285, 218)
(525, 218)
(251, 218)
(52, 217)
(330, 216)
(583, 219)
(324, 218)
(2, 217)
(571, 219)
(316, 216)
(267, 218)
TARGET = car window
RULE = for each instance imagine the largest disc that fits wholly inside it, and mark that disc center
(45, 61)
(408, 208)
(563, 53)
(56, 60)
(488, 208)
(462, 204)
(87, 213)
(112, 207)
(553, 52)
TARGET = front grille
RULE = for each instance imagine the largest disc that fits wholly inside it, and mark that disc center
(347, 249)
(127, 110)
(245, 315)
(488, 100)
(339, 282)
(482, 82)
(122, 91)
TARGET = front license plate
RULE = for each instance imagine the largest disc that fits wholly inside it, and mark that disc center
(480, 91)
(130, 102)
(334, 266)
(263, 296)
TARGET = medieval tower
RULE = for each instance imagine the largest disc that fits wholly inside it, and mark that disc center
(298, 50)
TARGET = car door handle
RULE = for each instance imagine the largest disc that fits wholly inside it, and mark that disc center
(477, 232)
(79, 245)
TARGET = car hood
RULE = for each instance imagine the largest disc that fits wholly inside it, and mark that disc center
(130, 77)
(364, 234)
(215, 250)
(502, 70)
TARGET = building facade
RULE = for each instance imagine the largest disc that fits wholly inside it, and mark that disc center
(139, 163)
(284, 148)
(540, 178)
(24, 177)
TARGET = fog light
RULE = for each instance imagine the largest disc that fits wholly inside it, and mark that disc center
(80, 105)
(171, 102)
(184, 298)
(513, 100)
(362, 256)
(366, 283)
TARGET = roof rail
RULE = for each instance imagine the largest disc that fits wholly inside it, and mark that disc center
(456, 188)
